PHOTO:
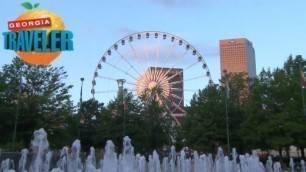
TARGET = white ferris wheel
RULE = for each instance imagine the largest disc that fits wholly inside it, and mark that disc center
(152, 60)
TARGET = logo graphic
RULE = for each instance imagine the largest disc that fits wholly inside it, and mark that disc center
(37, 36)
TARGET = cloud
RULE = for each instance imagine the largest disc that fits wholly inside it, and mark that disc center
(125, 31)
(209, 51)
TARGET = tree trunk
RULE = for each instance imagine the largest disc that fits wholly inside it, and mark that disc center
(280, 152)
(287, 152)
(302, 152)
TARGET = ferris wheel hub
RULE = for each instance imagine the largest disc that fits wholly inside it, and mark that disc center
(152, 85)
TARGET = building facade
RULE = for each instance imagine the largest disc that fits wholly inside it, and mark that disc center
(237, 55)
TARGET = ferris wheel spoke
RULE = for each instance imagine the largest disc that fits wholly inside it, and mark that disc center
(159, 75)
(179, 98)
(130, 83)
(179, 58)
(147, 53)
(114, 79)
(180, 89)
(157, 53)
(119, 59)
(185, 69)
(177, 89)
(131, 90)
(176, 96)
(178, 107)
(195, 78)
(165, 94)
(186, 80)
(176, 82)
(177, 73)
(131, 66)
(106, 91)
(124, 72)
(107, 78)
(154, 75)
(169, 52)
(190, 90)
(167, 101)
(144, 81)
(147, 75)
(151, 74)
(135, 54)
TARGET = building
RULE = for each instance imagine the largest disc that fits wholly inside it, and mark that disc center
(237, 55)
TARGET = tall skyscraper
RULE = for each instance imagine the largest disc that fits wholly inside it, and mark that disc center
(237, 55)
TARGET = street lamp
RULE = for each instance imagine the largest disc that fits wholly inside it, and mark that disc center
(17, 108)
(226, 113)
(121, 93)
(81, 101)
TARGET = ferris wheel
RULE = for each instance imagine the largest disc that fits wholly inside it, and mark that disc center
(150, 61)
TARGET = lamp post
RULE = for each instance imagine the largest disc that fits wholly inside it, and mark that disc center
(226, 113)
(17, 107)
(81, 94)
(81, 101)
(121, 93)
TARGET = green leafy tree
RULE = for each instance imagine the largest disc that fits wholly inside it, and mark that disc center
(254, 116)
(295, 109)
(274, 111)
(43, 101)
(269, 121)
(110, 123)
(239, 86)
(87, 116)
(205, 125)
(157, 121)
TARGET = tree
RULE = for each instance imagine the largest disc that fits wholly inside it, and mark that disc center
(43, 101)
(274, 110)
(157, 121)
(254, 116)
(87, 116)
(293, 68)
(110, 122)
(205, 125)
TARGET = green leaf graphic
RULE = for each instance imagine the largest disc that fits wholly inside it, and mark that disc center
(36, 5)
(27, 5)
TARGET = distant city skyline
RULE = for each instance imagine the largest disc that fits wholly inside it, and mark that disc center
(276, 28)
(237, 55)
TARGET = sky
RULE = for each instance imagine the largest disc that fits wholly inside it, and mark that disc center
(276, 28)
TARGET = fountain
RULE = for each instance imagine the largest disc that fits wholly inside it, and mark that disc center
(291, 165)
(40, 145)
(110, 161)
(303, 166)
(5, 166)
(23, 160)
(70, 161)
(91, 161)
